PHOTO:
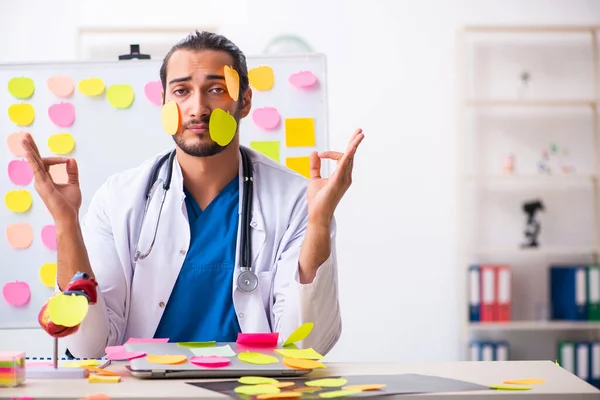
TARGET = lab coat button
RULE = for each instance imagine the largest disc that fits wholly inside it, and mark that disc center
(241, 315)
(182, 252)
(253, 224)
(161, 304)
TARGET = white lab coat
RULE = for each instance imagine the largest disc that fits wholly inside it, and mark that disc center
(132, 296)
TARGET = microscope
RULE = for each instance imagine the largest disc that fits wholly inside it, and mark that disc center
(532, 227)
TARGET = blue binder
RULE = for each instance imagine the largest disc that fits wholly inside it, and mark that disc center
(474, 288)
(568, 292)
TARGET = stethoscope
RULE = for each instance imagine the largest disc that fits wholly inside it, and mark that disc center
(247, 280)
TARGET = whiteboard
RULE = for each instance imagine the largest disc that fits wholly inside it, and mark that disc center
(109, 140)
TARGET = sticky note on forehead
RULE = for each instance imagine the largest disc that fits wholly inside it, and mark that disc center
(232, 80)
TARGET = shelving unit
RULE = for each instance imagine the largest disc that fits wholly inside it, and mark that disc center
(491, 92)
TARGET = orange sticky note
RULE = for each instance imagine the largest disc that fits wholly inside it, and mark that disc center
(20, 235)
(280, 395)
(261, 78)
(232, 80)
(528, 381)
(300, 132)
(166, 359)
(299, 164)
(171, 117)
(302, 364)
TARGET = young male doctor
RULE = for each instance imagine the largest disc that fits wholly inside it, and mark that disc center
(186, 288)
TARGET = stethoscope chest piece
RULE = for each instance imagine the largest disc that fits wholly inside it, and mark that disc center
(247, 281)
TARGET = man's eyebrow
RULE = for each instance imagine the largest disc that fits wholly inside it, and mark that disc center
(212, 77)
(178, 80)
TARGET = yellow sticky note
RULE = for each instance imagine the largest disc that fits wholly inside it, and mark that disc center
(120, 96)
(364, 388)
(196, 344)
(166, 359)
(222, 127)
(300, 333)
(299, 164)
(48, 274)
(257, 358)
(171, 117)
(21, 87)
(257, 380)
(337, 393)
(300, 132)
(232, 81)
(298, 363)
(528, 381)
(67, 310)
(510, 387)
(252, 390)
(261, 78)
(268, 148)
(61, 143)
(280, 395)
(327, 382)
(21, 114)
(18, 201)
(91, 86)
(95, 378)
(81, 363)
(301, 354)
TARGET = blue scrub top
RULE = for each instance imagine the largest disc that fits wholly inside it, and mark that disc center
(201, 306)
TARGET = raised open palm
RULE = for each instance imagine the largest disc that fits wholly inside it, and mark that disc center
(62, 200)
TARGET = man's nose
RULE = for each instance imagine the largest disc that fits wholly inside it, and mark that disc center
(199, 106)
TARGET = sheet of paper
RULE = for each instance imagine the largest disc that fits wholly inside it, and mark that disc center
(337, 393)
(91, 86)
(153, 90)
(266, 118)
(218, 351)
(232, 81)
(21, 114)
(327, 382)
(171, 117)
(299, 164)
(61, 85)
(48, 274)
(268, 148)
(211, 361)
(61, 143)
(301, 354)
(21, 87)
(58, 172)
(196, 344)
(300, 132)
(67, 310)
(262, 78)
(147, 340)
(19, 235)
(303, 79)
(13, 141)
(20, 172)
(253, 390)
(166, 358)
(62, 114)
(16, 293)
(18, 200)
(222, 126)
(120, 96)
(49, 236)
(300, 333)
(257, 358)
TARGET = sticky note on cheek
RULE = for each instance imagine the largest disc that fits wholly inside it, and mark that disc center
(232, 80)
(222, 127)
(171, 117)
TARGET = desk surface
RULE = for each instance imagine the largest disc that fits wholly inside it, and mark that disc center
(560, 384)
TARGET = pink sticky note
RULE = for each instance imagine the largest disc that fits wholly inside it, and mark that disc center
(20, 235)
(152, 91)
(16, 293)
(13, 141)
(49, 236)
(303, 79)
(124, 355)
(266, 117)
(62, 114)
(210, 362)
(20, 172)
(61, 85)
(148, 340)
(114, 349)
(261, 339)
(58, 172)
(39, 364)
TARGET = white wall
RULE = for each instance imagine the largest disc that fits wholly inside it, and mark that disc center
(391, 72)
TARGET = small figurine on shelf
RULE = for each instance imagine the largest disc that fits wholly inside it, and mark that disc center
(532, 227)
(509, 163)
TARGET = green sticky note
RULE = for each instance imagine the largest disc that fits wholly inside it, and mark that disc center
(510, 387)
(268, 148)
(196, 344)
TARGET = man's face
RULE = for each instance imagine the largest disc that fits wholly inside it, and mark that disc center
(195, 81)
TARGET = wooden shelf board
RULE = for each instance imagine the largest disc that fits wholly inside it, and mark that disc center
(534, 325)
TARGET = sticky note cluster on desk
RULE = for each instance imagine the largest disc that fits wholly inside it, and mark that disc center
(12, 368)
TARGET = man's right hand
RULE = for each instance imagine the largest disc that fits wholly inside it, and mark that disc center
(62, 200)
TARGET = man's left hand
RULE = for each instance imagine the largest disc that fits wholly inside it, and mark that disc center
(324, 194)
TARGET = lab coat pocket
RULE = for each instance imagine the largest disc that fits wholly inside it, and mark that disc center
(265, 284)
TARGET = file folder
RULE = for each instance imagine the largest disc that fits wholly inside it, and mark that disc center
(488, 294)
(568, 292)
(595, 364)
(593, 292)
(474, 293)
(503, 291)
(566, 356)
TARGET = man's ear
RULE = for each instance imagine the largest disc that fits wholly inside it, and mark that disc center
(246, 103)
(162, 96)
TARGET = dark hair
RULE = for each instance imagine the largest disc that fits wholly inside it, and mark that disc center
(198, 41)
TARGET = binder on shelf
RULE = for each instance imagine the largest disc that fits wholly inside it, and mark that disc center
(568, 292)
(488, 294)
(582, 361)
(595, 364)
(474, 293)
(566, 355)
(488, 350)
(502, 281)
(593, 292)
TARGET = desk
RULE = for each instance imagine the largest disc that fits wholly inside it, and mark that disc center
(560, 384)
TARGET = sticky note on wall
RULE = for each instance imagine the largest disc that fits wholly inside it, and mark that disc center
(300, 132)
(299, 164)
(269, 148)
